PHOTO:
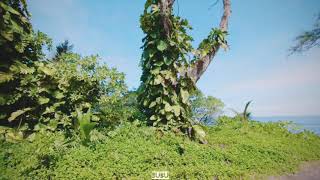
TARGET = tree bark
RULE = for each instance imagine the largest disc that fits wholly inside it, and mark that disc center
(165, 12)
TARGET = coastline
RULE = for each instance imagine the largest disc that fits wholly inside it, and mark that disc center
(311, 123)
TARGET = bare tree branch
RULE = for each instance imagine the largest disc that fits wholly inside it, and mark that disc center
(196, 70)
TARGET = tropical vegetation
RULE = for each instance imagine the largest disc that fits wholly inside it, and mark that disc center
(73, 117)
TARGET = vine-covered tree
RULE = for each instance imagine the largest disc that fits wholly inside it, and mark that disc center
(169, 77)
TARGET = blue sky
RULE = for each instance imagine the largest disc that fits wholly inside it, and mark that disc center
(255, 68)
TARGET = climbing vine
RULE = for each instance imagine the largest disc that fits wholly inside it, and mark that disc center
(164, 94)
(215, 39)
(166, 85)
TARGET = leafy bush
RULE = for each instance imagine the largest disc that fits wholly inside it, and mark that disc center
(43, 94)
(49, 93)
(133, 151)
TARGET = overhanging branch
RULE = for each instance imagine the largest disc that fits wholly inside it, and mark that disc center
(196, 69)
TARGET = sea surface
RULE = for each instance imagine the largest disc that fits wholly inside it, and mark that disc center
(311, 123)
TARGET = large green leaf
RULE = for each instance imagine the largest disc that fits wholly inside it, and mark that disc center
(176, 110)
(169, 117)
(153, 117)
(43, 100)
(199, 134)
(8, 8)
(53, 124)
(8, 35)
(162, 45)
(2, 116)
(152, 104)
(167, 61)
(158, 80)
(85, 124)
(6, 77)
(15, 114)
(14, 137)
(58, 95)
(184, 96)
(167, 107)
(156, 70)
(159, 63)
(48, 71)
(85, 129)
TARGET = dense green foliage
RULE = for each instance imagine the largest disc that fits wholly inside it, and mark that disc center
(37, 93)
(17, 38)
(20, 48)
(51, 92)
(70, 117)
(165, 90)
(133, 151)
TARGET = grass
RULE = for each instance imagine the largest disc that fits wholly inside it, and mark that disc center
(133, 151)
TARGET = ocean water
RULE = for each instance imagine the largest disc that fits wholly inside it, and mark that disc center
(311, 123)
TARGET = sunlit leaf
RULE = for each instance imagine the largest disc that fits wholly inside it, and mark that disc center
(43, 100)
(16, 114)
(162, 45)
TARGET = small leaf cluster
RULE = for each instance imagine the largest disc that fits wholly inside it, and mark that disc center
(215, 39)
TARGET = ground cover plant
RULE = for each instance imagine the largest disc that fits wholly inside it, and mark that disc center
(134, 150)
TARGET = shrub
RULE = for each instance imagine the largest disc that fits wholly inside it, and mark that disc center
(49, 93)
